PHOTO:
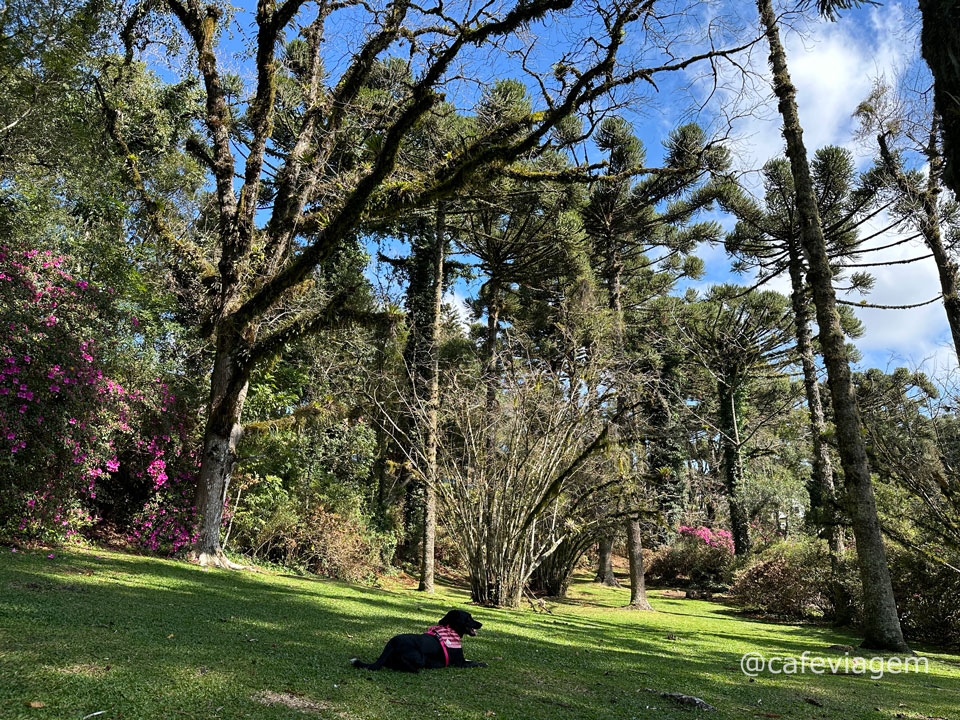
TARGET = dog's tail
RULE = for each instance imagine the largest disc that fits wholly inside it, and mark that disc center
(380, 662)
(360, 665)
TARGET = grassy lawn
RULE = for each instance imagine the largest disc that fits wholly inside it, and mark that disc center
(141, 638)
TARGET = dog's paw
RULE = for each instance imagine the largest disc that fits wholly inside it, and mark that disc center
(480, 664)
(354, 661)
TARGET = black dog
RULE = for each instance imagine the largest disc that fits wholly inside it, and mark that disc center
(438, 647)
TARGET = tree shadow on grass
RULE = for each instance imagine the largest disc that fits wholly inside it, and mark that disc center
(182, 642)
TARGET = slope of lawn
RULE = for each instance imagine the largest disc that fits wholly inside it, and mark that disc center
(92, 631)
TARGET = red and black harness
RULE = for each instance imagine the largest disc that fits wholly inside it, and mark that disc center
(448, 639)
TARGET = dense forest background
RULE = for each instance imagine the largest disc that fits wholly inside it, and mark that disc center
(233, 244)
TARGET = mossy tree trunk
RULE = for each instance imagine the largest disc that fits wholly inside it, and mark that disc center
(727, 392)
(638, 586)
(822, 471)
(881, 623)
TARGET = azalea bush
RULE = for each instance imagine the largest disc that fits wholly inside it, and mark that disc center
(71, 425)
(699, 555)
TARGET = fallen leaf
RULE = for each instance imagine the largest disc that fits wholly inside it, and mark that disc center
(35, 704)
(169, 636)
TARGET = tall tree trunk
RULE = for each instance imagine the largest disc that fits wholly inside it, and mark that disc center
(638, 586)
(822, 467)
(614, 272)
(228, 391)
(929, 223)
(432, 385)
(605, 565)
(940, 46)
(881, 624)
(733, 467)
(667, 468)
(490, 372)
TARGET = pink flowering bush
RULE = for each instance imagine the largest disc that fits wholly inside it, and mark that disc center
(700, 555)
(69, 425)
(720, 539)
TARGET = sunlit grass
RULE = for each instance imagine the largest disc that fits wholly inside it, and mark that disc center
(142, 638)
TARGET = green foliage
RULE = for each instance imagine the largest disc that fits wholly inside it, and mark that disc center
(928, 596)
(792, 580)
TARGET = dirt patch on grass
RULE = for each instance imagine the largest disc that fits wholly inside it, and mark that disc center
(85, 669)
(295, 702)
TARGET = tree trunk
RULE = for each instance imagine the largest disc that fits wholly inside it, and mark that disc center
(929, 223)
(881, 624)
(605, 566)
(822, 468)
(490, 378)
(666, 466)
(228, 391)
(638, 586)
(552, 575)
(733, 467)
(432, 383)
(940, 47)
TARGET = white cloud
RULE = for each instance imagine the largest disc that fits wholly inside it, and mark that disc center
(833, 66)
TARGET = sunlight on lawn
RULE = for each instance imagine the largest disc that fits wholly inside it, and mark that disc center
(137, 637)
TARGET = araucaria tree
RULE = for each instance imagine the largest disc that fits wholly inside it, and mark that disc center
(641, 225)
(738, 338)
(767, 238)
(319, 155)
(881, 623)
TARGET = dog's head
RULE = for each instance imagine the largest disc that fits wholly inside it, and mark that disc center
(461, 622)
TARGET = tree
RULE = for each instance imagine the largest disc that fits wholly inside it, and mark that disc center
(738, 338)
(550, 424)
(918, 200)
(881, 624)
(337, 157)
(767, 237)
(626, 227)
(911, 428)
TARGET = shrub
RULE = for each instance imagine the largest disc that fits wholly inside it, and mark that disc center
(787, 579)
(68, 421)
(928, 597)
(700, 555)
(322, 542)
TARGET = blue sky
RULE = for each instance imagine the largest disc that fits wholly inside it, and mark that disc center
(833, 66)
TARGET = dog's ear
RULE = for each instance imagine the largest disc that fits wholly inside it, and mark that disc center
(448, 619)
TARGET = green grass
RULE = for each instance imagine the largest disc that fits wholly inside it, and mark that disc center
(143, 638)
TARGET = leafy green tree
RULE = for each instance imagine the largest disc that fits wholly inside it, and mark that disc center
(337, 168)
